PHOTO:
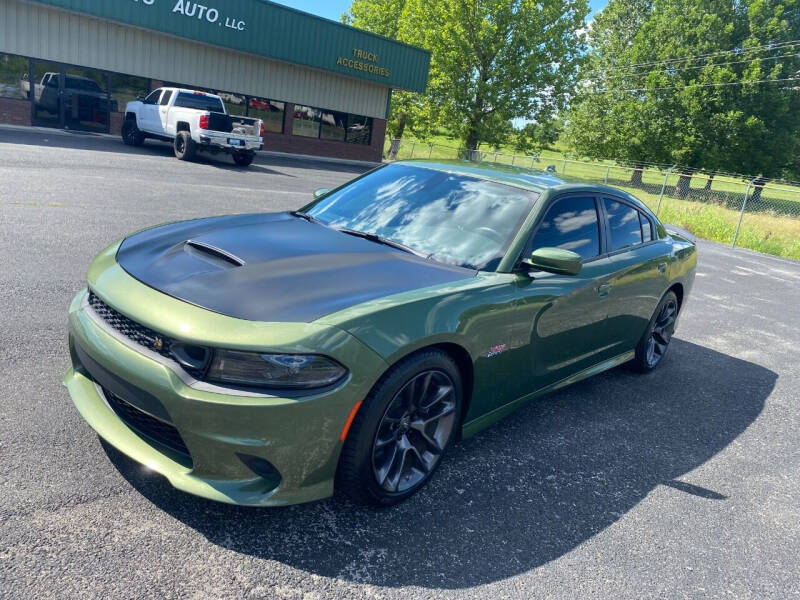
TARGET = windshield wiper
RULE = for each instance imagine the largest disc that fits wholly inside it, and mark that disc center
(306, 216)
(374, 237)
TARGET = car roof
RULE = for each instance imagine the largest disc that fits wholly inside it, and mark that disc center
(188, 91)
(535, 180)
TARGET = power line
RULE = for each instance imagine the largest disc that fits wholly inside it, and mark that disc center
(695, 67)
(777, 46)
(696, 85)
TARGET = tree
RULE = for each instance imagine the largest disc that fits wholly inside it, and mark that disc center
(536, 136)
(492, 60)
(646, 97)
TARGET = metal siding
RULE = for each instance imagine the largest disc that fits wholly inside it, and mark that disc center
(273, 31)
(52, 34)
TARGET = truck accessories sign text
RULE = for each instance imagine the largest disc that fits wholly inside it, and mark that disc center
(360, 65)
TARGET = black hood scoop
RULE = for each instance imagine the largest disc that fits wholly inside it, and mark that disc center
(212, 254)
(273, 267)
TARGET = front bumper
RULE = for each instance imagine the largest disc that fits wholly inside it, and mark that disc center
(223, 431)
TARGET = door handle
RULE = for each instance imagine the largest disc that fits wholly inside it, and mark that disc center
(662, 268)
(603, 288)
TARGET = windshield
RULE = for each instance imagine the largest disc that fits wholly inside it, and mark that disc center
(451, 218)
(199, 101)
(86, 85)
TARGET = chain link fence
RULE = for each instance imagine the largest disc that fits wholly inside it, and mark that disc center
(749, 212)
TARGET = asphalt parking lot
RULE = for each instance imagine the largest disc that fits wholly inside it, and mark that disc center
(684, 483)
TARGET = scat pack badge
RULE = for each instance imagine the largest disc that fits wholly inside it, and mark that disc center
(495, 350)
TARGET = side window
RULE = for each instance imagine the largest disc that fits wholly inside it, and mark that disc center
(647, 228)
(153, 97)
(166, 97)
(571, 224)
(624, 224)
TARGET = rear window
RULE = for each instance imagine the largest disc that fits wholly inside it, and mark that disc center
(199, 102)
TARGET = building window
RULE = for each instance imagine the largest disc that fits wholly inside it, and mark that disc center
(359, 129)
(14, 76)
(235, 104)
(126, 88)
(269, 111)
(333, 125)
(306, 121)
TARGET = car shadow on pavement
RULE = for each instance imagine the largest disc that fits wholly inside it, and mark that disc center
(94, 142)
(520, 494)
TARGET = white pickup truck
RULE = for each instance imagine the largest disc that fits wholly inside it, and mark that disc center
(192, 121)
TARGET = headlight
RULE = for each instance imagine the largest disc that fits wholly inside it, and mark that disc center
(289, 371)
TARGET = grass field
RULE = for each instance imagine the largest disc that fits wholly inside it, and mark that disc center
(770, 225)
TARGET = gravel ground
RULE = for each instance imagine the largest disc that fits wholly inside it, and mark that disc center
(683, 483)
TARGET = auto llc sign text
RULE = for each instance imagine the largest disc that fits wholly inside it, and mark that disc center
(195, 10)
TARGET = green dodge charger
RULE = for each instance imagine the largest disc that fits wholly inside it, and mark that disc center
(270, 359)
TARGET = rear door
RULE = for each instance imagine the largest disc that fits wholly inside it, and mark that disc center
(163, 113)
(639, 264)
(568, 333)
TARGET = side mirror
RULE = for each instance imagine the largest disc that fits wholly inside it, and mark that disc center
(320, 192)
(556, 260)
(140, 98)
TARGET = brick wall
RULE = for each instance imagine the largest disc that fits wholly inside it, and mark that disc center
(116, 123)
(15, 112)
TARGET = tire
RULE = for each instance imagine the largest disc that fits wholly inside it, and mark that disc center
(378, 472)
(131, 135)
(655, 342)
(184, 146)
(243, 159)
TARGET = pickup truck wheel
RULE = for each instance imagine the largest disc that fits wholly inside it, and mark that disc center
(131, 134)
(185, 148)
(243, 159)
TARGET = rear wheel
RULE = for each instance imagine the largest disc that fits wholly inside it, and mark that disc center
(400, 433)
(131, 134)
(655, 341)
(184, 147)
(243, 159)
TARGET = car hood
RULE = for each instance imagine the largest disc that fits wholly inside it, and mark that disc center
(273, 267)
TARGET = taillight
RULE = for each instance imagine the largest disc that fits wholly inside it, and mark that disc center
(262, 129)
(204, 121)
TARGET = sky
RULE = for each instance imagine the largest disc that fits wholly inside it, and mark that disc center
(333, 9)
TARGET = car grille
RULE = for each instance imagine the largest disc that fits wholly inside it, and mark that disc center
(131, 329)
(155, 429)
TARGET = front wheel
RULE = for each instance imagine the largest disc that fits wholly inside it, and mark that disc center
(654, 343)
(243, 159)
(131, 134)
(401, 431)
(185, 146)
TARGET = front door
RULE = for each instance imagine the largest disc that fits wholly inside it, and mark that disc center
(149, 118)
(70, 97)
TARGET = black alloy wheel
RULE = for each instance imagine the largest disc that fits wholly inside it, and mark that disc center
(656, 339)
(402, 429)
(661, 332)
(184, 146)
(131, 134)
(414, 432)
